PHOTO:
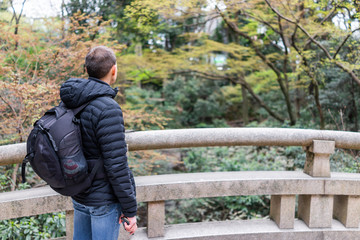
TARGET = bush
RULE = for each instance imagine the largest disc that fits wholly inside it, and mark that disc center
(214, 159)
(193, 102)
(39, 227)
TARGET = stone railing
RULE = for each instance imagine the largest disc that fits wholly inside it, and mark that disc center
(328, 203)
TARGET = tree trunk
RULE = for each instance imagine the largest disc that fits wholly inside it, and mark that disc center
(313, 82)
(62, 20)
(16, 33)
(139, 53)
(13, 177)
(17, 21)
(245, 106)
(270, 64)
(318, 105)
(297, 100)
(354, 110)
(259, 100)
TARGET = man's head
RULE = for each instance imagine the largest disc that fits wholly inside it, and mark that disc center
(100, 61)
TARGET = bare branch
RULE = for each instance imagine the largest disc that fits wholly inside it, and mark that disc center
(343, 42)
(271, 65)
(313, 81)
(14, 176)
(236, 80)
(243, 83)
(233, 27)
(301, 28)
(261, 21)
(202, 74)
(14, 12)
(279, 14)
(22, 8)
(17, 17)
(293, 36)
(351, 73)
(274, 44)
(329, 16)
(286, 53)
(202, 23)
(11, 107)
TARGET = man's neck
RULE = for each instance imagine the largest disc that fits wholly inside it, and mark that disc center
(106, 79)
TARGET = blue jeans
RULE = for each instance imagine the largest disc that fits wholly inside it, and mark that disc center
(96, 223)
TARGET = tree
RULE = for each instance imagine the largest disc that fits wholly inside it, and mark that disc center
(17, 18)
(236, 78)
(105, 10)
(285, 41)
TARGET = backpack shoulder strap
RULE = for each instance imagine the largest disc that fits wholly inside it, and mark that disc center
(80, 108)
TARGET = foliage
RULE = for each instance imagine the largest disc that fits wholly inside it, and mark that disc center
(144, 163)
(217, 209)
(124, 30)
(30, 74)
(263, 48)
(191, 64)
(8, 182)
(23, 104)
(231, 159)
(40, 227)
(242, 159)
(193, 101)
(141, 110)
(345, 161)
(283, 51)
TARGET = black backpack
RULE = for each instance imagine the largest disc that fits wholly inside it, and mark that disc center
(54, 151)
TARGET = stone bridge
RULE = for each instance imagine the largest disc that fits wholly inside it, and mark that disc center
(328, 203)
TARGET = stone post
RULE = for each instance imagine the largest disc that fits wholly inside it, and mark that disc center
(318, 158)
(347, 210)
(69, 224)
(282, 210)
(156, 219)
(317, 210)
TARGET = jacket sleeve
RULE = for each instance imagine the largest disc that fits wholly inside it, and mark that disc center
(110, 132)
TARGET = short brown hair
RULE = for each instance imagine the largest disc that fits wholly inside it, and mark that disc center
(99, 61)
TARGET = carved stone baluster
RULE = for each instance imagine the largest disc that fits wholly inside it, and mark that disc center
(156, 219)
(282, 210)
(317, 210)
(69, 221)
(347, 210)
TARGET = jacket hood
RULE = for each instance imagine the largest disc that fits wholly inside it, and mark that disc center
(76, 91)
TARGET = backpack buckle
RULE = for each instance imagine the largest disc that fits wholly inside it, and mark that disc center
(76, 120)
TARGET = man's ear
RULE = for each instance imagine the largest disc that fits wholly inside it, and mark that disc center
(113, 70)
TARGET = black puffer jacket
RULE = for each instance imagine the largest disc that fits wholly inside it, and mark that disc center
(103, 136)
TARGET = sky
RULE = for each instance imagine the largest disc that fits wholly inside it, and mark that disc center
(52, 8)
(39, 8)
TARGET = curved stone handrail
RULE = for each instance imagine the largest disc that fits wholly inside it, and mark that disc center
(320, 195)
(203, 137)
(206, 137)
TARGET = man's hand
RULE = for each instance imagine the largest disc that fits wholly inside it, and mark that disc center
(129, 223)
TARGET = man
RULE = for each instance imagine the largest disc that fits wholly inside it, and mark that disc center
(99, 210)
